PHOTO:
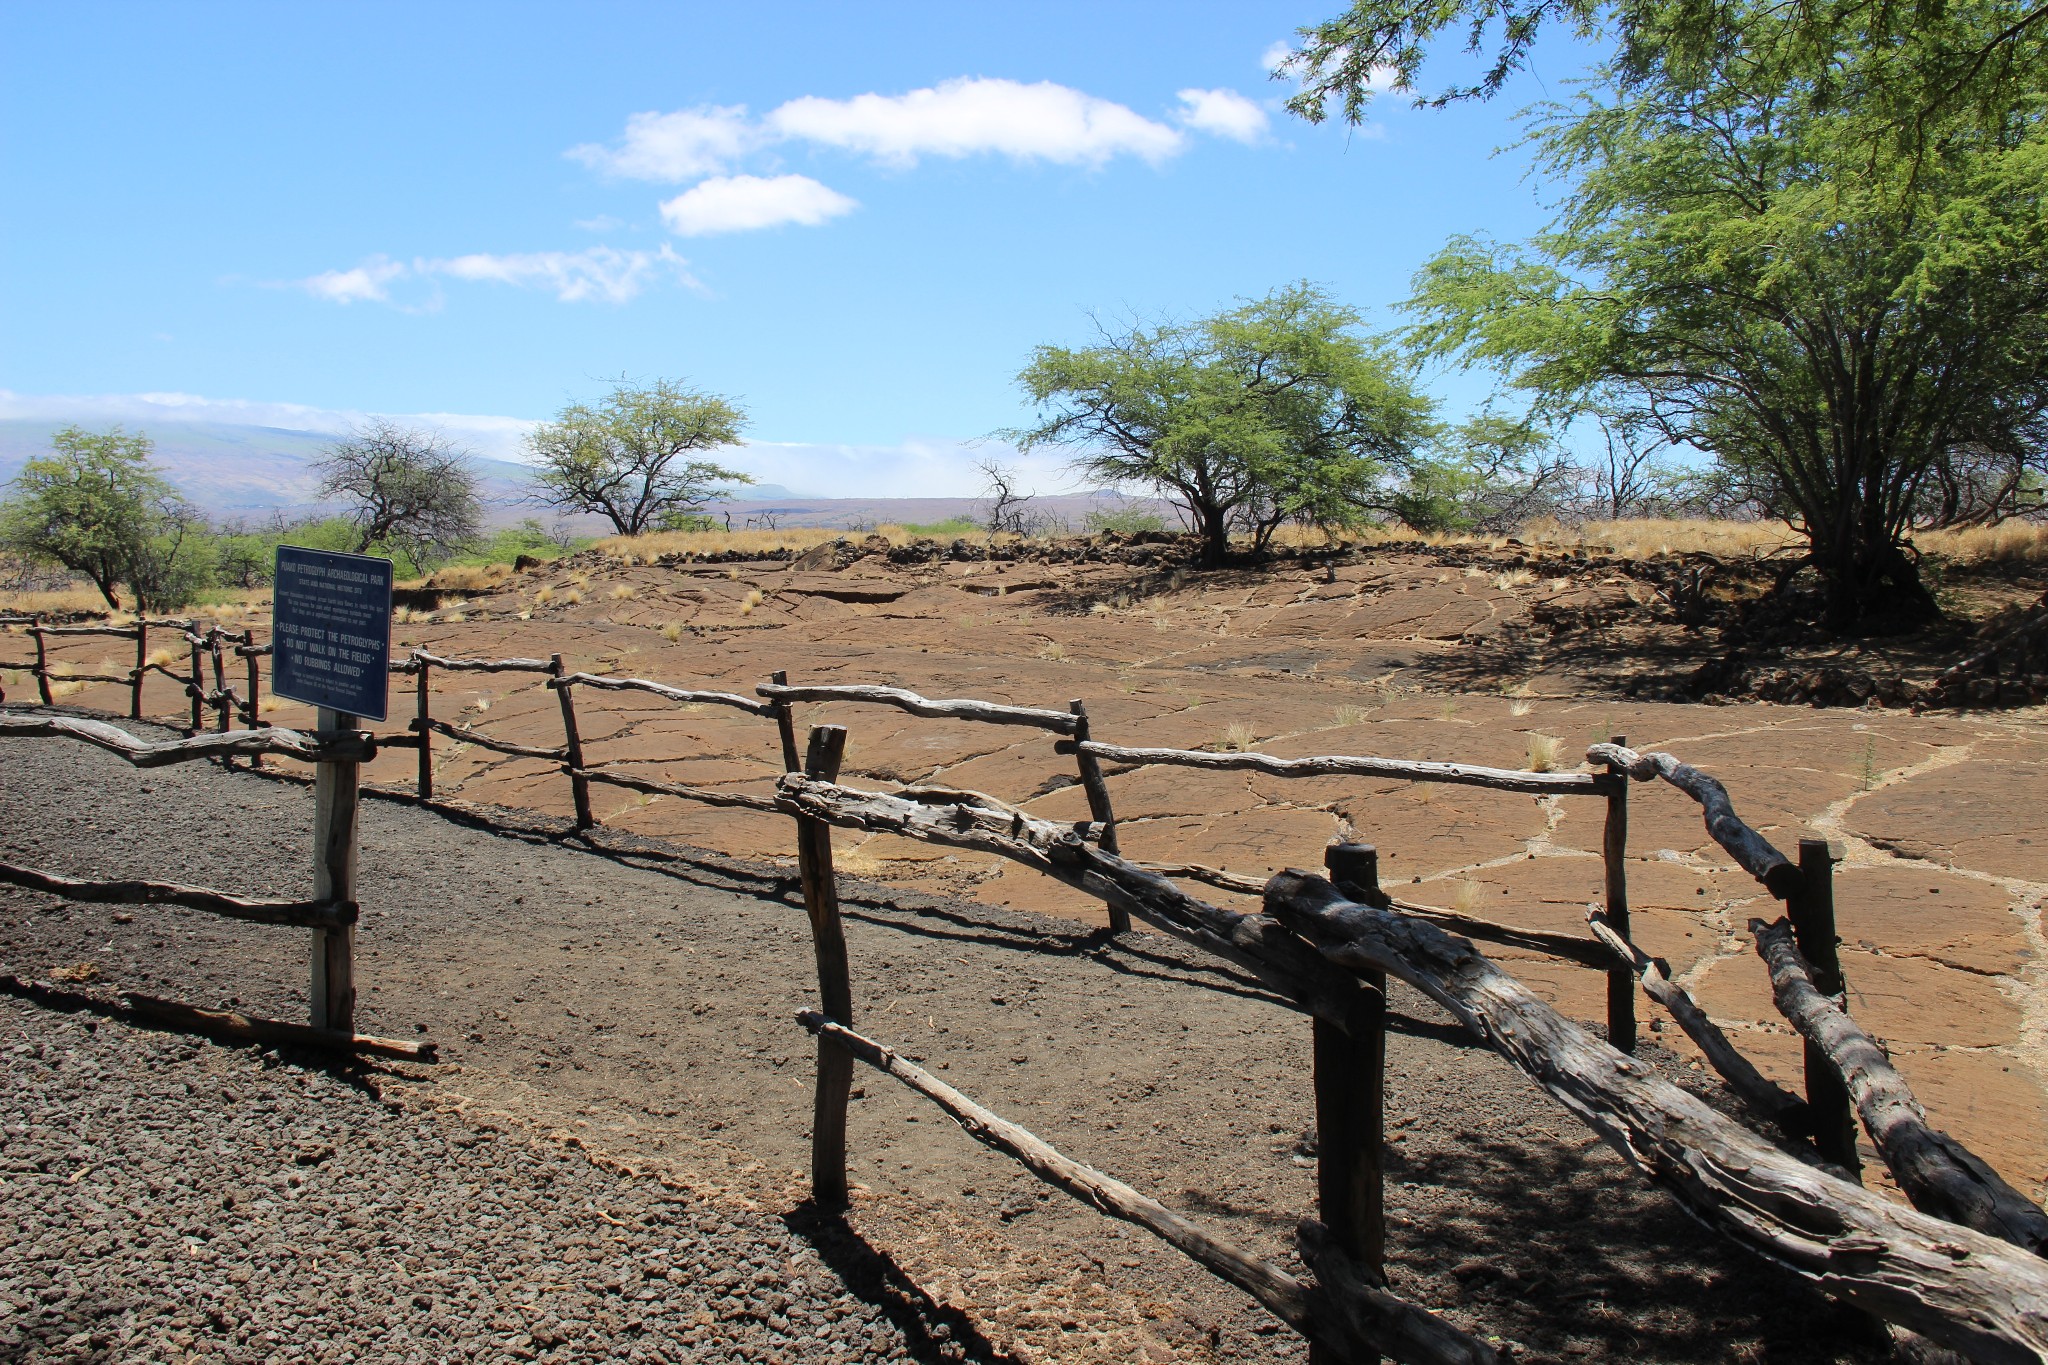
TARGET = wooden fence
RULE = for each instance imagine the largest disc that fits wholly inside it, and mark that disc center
(1962, 1267)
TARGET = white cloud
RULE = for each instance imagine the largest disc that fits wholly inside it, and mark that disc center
(1224, 113)
(1276, 54)
(963, 117)
(742, 203)
(673, 147)
(604, 222)
(369, 282)
(601, 272)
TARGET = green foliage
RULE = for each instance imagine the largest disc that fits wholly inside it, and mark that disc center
(1124, 521)
(629, 458)
(1277, 409)
(1754, 257)
(952, 528)
(98, 507)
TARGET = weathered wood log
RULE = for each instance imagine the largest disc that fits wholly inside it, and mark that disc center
(1830, 1110)
(785, 725)
(1338, 765)
(1940, 1175)
(225, 1025)
(1103, 815)
(140, 672)
(423, 726)
(42, 668)
(1377, 1321)
(1621, 989)
(1275, 956)
(709, 796)
(1350, 1089)
(966, 708)
(1775, 1103)
(256, 910)
(1750, 850)
(118, 632)
(1545, 941)
(572, 744)
(311, 747)
(484, 741)
(676, 694)
(337, 801)
(249, 649)
(1962, 1289)
(482, 665)
(1211, 876)
(822, 757)
(60, 674)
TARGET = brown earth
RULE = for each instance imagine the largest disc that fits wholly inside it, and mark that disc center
(1402, 655)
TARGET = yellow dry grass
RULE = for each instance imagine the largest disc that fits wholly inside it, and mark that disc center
(646, 549)
(1238, 736)
(52, 603)
(1543, 751)
(466, 577)
(2016, 542)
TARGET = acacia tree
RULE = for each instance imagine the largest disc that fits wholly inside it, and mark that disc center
(406, 489)
(632, 458)
(1277, 409)
(97, 506)
(1807, 240)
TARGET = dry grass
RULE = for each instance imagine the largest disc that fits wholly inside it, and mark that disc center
(52, 603)
(1468, 897)
(1238, 736)
(1543, 751)
(1053, 651)
(2016, 542)
(625, 592)
(568, 597)
(1349, 714)
(646, 549)
(753, 599)
(467, 577)
(672, 632)
(1520, 707)
(1514, 578)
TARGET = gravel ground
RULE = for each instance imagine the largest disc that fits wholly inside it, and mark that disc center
(639, 1000)
(172, 1200)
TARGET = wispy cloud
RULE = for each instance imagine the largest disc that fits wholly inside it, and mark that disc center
(742, 203)
(970, 116)
(1224, 113)
(675, 147)
(366, 283)
(600, 273)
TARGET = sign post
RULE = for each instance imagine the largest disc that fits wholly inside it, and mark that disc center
(330, 634)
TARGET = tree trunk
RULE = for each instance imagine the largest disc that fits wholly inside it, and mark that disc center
(1215, 536)
(1870, 584)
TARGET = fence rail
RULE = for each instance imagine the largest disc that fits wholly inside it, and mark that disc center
(1959, 1268)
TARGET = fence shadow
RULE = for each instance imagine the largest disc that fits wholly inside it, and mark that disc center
(934, 1333)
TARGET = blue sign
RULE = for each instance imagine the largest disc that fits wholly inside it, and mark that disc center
(330, 631)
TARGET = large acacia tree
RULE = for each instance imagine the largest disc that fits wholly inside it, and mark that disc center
(1808, 240)
(636, 458)
(1277, 409)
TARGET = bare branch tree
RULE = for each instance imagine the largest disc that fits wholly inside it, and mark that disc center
(406, 489)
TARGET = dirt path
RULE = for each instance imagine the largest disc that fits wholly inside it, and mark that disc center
(637, 1001)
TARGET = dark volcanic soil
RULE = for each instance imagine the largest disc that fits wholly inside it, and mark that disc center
(637, 1000)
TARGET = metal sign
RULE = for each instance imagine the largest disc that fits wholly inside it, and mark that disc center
(330, 631)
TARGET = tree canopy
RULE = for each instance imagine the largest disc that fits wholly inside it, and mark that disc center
(97, 506)
(632, 458)
(405, 490)
(1801, 262)
(1277, 409)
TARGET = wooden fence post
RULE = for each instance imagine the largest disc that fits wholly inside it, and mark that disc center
(255, 689)
(1350, 1084)
(822, 757)
(1099, 809)
(1812, 912)
(197, 684)
(336, 793)
(1621, 980)
(42, 661)
(572, 743)
(223, 704)
(426, 731)
(785, 724)
(141, 664)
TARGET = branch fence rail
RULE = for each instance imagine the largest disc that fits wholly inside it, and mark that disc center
(1963, 1267)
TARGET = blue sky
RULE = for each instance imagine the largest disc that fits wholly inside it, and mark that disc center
(857, 219)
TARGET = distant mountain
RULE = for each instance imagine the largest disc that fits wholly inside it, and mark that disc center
(235, 470)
